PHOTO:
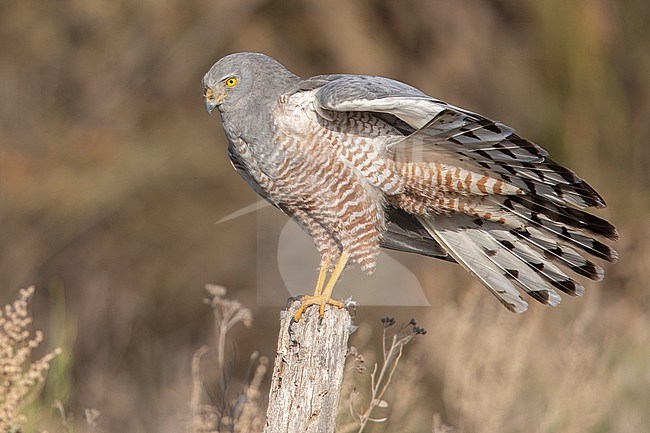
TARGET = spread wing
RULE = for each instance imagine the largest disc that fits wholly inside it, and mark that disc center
(444, 133)
(544, 223)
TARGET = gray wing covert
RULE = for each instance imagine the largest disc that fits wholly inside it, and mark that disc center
(374, 94)
(358, 88)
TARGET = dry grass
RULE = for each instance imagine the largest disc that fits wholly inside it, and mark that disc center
(490, 371)
(19, 375)
(391, 396)
(90, 416)
(244, 412)
(504, 374)
(381, 376)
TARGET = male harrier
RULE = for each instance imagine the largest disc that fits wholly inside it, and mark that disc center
(363, 162)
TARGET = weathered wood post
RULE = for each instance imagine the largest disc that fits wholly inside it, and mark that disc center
(308, 371)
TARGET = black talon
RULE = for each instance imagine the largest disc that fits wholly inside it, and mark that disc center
(292, 299)
(290, 329)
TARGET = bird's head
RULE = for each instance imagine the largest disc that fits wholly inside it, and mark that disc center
(239, 79)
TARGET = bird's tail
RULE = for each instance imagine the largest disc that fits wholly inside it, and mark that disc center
(533, 256)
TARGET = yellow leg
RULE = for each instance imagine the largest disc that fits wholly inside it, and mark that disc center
(324, 296)
(336, 274)
(322, 273)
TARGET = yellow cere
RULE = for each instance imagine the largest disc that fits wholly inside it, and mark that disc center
(231, 82)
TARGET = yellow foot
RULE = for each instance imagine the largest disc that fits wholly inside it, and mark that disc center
(321, 301)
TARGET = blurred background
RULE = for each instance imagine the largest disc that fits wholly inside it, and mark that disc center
(112, 177)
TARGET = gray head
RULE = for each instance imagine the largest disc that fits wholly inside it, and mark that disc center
(240, 80)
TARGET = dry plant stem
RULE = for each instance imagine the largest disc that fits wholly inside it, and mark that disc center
(379, 386)
(221, 345)
(227, 313)
(196, 388)
(222, 324)
(308, 371)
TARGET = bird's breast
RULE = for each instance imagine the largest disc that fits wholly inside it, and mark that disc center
(356, 139)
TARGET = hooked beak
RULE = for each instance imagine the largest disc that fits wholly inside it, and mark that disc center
(210, 105)
(212, 100)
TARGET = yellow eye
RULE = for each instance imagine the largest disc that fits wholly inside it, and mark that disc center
(231, 82)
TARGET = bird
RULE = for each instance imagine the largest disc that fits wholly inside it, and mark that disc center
(364, 162)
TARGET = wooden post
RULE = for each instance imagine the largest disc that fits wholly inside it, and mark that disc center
(308, 371)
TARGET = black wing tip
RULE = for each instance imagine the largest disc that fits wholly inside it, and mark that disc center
(604, 252)
(543, 296)
(590, 270)
(613, 234)
(568, 286)
(597, 199)
(600, 227)
(565, 214)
